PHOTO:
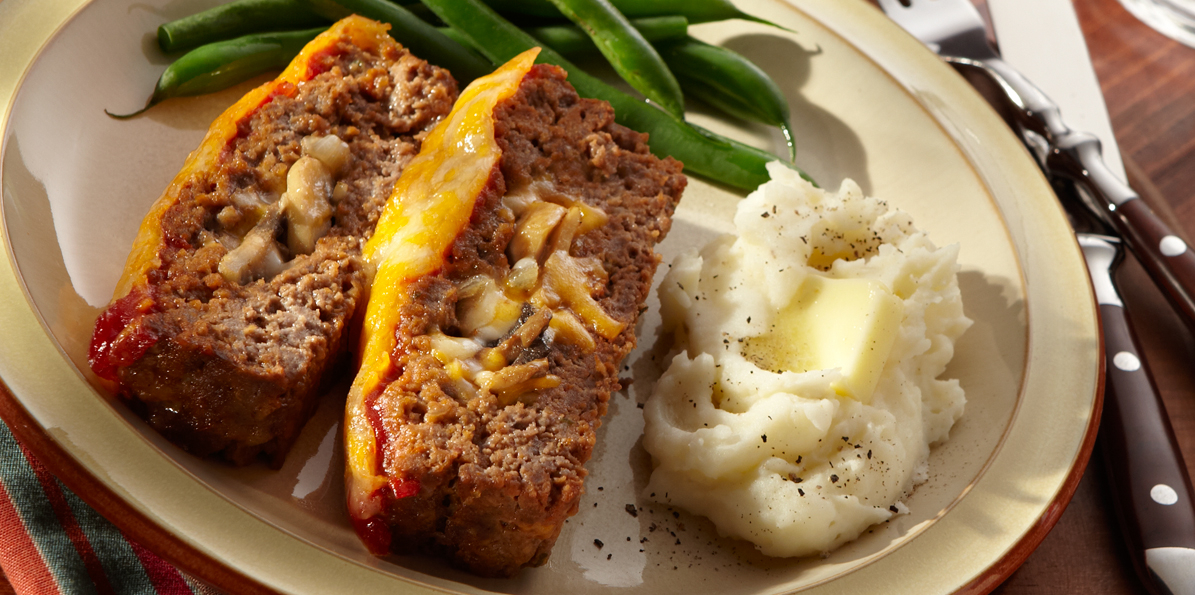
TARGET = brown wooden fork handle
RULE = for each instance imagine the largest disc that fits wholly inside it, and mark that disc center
(1163, 253)
(1146, 471)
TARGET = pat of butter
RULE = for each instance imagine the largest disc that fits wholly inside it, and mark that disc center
(849, 324)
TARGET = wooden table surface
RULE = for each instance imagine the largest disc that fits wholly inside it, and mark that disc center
(1149, 85)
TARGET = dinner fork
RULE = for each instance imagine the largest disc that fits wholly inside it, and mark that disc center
(954, 30)
(1148, 475)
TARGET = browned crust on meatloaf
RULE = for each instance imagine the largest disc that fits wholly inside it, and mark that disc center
(239, 368)
(497, 483)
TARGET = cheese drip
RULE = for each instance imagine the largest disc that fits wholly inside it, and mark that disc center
(430, 206)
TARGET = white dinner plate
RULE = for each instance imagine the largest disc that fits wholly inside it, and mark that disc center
(868, 102)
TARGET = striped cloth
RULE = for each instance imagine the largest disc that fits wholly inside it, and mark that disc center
(52, 543)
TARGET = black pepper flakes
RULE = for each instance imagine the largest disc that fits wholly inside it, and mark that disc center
(598, 543)
(833, 479)
(631, 510)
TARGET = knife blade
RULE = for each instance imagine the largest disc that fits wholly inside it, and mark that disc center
(1047, 29)
(1149, 477)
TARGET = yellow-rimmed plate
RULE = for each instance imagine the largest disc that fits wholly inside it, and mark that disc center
(868, 103)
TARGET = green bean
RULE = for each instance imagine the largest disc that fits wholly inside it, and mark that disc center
(215, 66)
(635, 60)
(418, 36)
(456, 36)
(571, 41)
(697, 11)
(714, 157)
(729, 82)
(236, 19)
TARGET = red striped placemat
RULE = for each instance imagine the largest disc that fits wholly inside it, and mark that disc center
(51, 542)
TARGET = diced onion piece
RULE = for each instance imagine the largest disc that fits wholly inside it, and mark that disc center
(249, 200)
(306, 204)
(484, 311)
(567, 279)
(340, 192)
(511, 375)
(329, 150)
(448, 349)
(523, 275)
(510, 394)
(228, 217)
(591, 218)
(566, 231)
(247, 208)
(471, 287)
(533, 230)
(518, 200)
(256, 257)
(465, 389)
(568, 329)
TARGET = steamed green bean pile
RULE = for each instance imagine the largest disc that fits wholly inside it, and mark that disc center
(651, 50)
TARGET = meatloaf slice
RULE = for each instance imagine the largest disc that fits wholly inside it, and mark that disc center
(236, 300)
(468, 437)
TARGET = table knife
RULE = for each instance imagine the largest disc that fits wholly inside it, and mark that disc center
(1149, 478)
(1160, 249)
(1148, 474)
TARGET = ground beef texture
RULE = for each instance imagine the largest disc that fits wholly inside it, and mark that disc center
(453, 461)
(231, 366)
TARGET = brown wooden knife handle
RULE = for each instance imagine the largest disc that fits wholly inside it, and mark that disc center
(1146, 470)
(1163, 253)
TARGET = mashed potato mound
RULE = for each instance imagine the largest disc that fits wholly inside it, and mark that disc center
(795, 460)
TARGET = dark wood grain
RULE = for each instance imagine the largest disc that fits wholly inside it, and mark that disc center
(1149, 86)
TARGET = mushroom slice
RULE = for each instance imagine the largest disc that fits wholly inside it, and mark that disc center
(257, 256)
(306, 204)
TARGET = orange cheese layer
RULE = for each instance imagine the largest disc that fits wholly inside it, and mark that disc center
(144, 256)
(430, 206)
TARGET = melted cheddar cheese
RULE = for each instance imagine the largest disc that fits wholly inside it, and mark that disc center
(428, 209)
(143, 258)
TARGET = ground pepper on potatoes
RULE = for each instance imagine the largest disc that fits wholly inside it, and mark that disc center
(805, 396)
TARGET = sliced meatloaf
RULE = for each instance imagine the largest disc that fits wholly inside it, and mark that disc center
(238, 295)
(469, 433)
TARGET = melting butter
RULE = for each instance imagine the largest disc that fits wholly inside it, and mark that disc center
(849, 324)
